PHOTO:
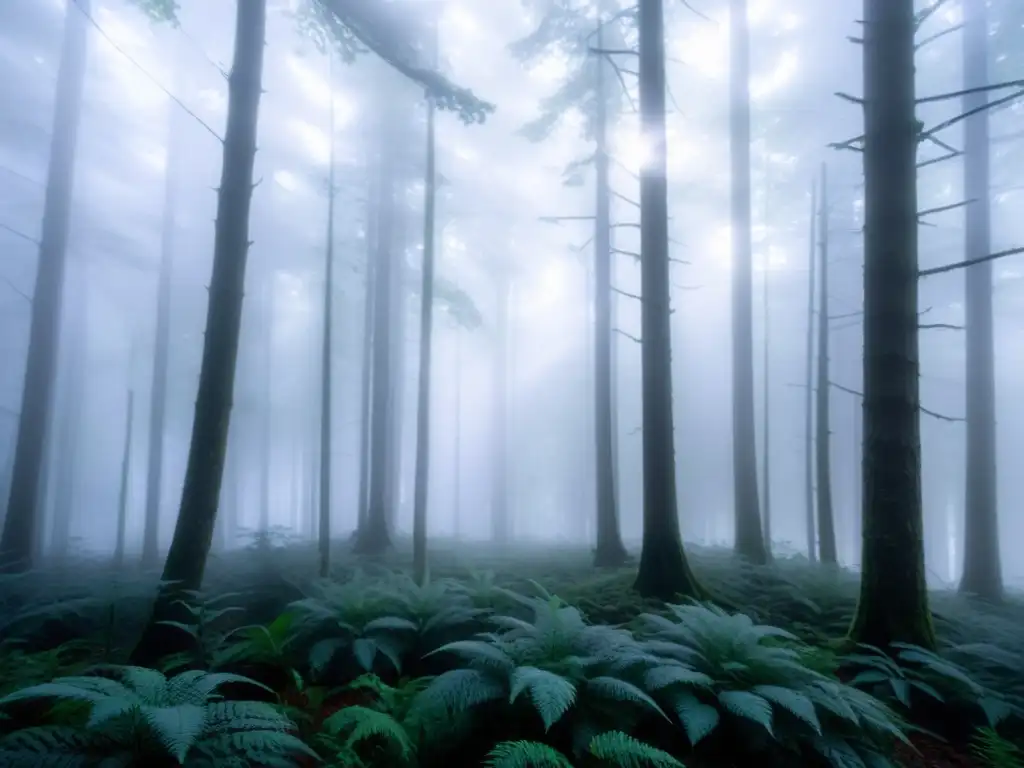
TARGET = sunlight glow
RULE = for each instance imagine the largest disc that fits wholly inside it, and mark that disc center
(718, 246)
(631, 149)
(546, 292)
(552, 69)
(316, 142)
(462, 22)
(776, 79)
(287, 181)
(154, 158)
(707, 52)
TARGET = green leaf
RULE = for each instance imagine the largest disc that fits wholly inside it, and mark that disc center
(552, 695)
(365, 651)
(525, 754)
(698, 719)
(177, 727)
(624, 751)
(793, 702)
(748, 705)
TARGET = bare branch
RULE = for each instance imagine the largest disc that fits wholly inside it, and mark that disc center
(847, 316)
(625, 199)
(560, 219)
(944, 326)
(615, 52)
(939, 159)
(921, 408)
(850, 144)
(969, 262)
(926, 13)
(850, 98)
(629, 336)
(19, 234)
(968, 91)
(622, 82)
(969, 113)
(627, 294)
(943, 208)
(932, 38)
(622, 252)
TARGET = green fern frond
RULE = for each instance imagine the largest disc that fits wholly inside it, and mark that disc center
(993, 751)
(525, 754)
(623, 751)
(552, 695)
(363, 724)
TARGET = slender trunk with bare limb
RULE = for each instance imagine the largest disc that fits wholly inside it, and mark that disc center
(823, 441)
(982, 569)
(664, 571)
(501, 523)
(766, 511)
(193, 534)
(267, 406)
(457, 480)
(609, 551)
(893, 605)
(18, 540)
(366, 369)
(809, 511)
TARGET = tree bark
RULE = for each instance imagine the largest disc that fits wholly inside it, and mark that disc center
(749, 542)
(161, 346)
(122, 501)
(609, 551)
(809, 508)
(501, 524)
(366, 383)
(326, 365)
(823, 443)
(17, 542)
(419, 509)
(893, 605)
(267, 406)
(664, 571)
(982, 570)
(193, 533)
(766, 510)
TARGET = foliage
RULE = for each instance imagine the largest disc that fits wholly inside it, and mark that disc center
(613, 748)
(993, 751)
(159, 11)
(728, 676)
(136, 715)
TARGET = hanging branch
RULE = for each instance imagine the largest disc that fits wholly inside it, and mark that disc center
(969, 262)
(932, 38)
(971, 112)
(933, 414)
(968, 91)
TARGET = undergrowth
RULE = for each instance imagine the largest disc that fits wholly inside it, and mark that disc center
(532, 663)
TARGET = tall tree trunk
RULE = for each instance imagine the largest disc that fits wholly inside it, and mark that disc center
(893, 605)
(267, 406)
(982, 573)
(374, 537)
(366, 370)
(193, 533)
(609, 551)
(501, 523)
(749, 537)
(17, 543)
(67, 412)
(395, 459)
(766, 511)
(858, 480)
(664, 571)
(809, 507)
(457, 513)
(823, 442)
(161, 345)
(326, 366)
(122, 500)
(419, 508)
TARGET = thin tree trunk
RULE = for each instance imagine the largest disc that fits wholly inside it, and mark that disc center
(366, 384)
(458, 433)
(122, 501)
(749, 536)
(893, 604)
(17, 543)
(326, 367)
(766, 384)
(501, 524)
(193, 533)
(982, 570)
(809, 507)
(375, 536)
(267, 409)
(419, 509)
(823, 443)
(161, 346)
(609, 551)
(664, 571)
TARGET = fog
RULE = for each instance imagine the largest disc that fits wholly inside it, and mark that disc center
(514, 216)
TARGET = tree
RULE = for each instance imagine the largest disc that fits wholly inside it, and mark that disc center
(664, 571)
(809, 508)
(193, 533)
(823, 442)
(326, 349)
(893, 604)
(982, 571)
(122, 500)
(749, 536)
(419, 510)
(17, 541)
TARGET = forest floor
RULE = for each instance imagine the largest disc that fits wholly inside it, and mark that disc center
(62, 620)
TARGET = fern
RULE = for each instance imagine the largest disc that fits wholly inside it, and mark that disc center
(141, 713)
(613, 748)
(993, 751)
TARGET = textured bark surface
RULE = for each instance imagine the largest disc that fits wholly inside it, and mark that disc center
(823, 424)
(982, 570)
(664, 571)
(893, 605)
(809, 506)
(193, 534)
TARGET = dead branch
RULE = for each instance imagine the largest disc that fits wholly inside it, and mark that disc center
(625, 199)
(932, 38)
(615, 52)
(850, 144)
(560, 219)
(848, 97)
(629, 336)
(943, 208)
(847, 316)
(944, 326)
(968, 91)
(622, 82)
(627, 294)
(969, 262)
(926, 13)
(921, 408)
(971, 112)
(939, 159)
(622, 252)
